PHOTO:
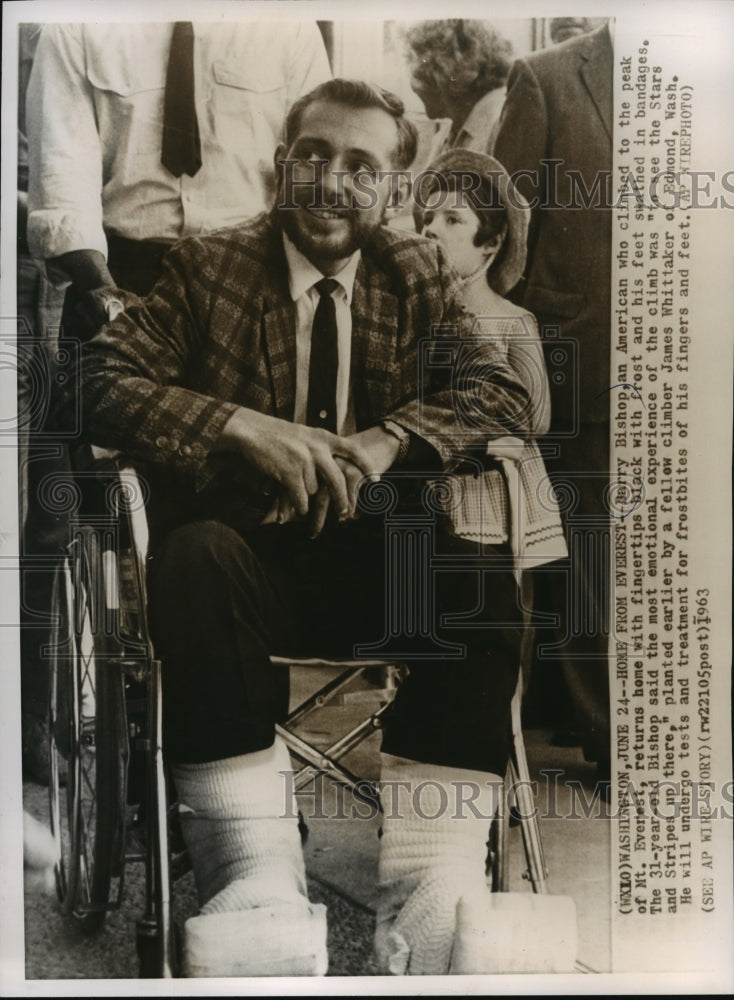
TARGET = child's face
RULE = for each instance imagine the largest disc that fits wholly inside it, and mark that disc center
(455, 228)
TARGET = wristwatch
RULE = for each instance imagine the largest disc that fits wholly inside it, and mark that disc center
(403, 437)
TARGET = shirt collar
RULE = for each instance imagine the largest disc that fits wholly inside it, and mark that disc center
(302, 275)
(476, 120)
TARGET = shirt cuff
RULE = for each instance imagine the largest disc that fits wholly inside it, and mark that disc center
(52, 233)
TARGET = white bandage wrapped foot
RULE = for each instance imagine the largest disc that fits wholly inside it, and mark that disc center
(432, 853)
(239, 822)
(40, 854)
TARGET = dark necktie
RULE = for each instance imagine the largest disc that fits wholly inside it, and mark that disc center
(181, 148)
(322, 369)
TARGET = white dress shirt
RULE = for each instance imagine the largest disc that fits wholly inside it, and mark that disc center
(94, 120)
(302, 278)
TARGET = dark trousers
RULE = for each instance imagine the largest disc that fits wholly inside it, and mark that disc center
(135, 265)
(222, 602)
(42, 463)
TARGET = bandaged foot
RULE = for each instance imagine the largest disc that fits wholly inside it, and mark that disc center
(433, 852)
(39, 855)
(239, 823)
(514, 932)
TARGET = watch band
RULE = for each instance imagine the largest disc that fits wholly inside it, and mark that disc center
(403, 437)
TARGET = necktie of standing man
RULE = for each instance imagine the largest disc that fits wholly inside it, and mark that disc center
(181, 148)
(324, 363)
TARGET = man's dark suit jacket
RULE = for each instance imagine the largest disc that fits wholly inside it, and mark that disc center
(218, 332)
(559, 107)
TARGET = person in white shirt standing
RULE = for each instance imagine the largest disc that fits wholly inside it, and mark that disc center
(102, 204)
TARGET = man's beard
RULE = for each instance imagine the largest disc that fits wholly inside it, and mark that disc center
(317, 243)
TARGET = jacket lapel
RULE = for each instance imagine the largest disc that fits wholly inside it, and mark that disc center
(374, 342)
(597, 73)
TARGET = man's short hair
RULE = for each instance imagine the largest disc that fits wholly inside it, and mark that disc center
(358, 94)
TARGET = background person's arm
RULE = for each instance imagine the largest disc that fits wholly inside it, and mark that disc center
(64, 157)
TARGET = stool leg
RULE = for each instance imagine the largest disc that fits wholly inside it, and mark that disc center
(501, 882)
(162, 845)
(154, 929)
(526, 807)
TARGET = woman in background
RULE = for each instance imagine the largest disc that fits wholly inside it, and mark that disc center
(459, 69)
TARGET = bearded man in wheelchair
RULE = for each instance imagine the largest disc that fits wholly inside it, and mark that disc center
(296, 389)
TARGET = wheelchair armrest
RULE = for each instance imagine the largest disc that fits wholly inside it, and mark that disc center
(125, 488)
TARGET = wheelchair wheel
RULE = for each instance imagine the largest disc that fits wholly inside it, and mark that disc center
(88, 739)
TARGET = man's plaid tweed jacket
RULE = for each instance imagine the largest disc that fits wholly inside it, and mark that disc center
(218, 331)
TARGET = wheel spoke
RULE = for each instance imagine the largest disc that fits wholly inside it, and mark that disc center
(87, 812)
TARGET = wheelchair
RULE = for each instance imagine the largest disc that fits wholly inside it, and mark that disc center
(108, 794)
